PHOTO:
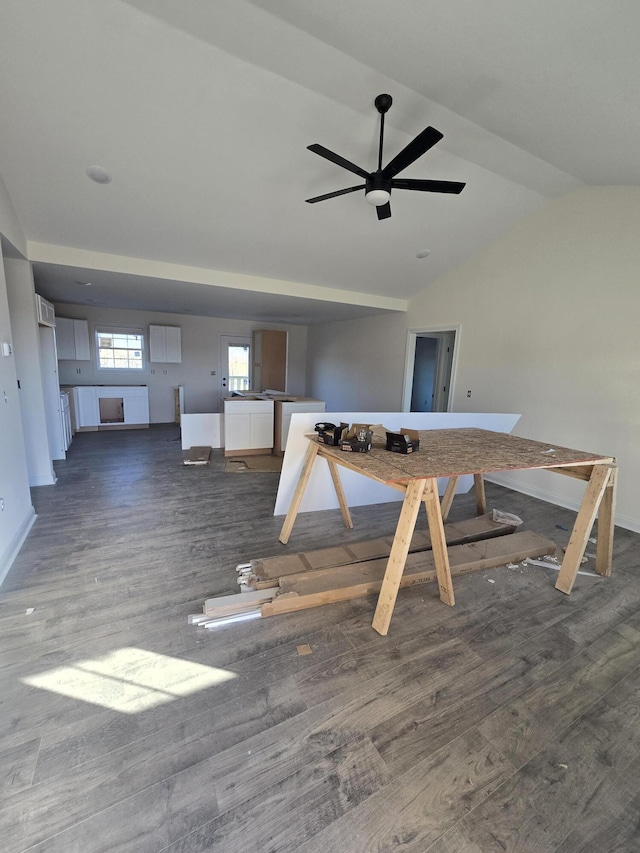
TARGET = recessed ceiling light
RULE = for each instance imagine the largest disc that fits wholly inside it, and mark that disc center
(423, 253)
(98, 175)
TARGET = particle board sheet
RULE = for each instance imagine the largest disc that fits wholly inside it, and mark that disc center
(326, 586)
(271, 568)
(451, 452)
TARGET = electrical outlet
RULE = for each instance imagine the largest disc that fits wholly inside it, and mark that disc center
(213, 373)
(468, 393)
(1, 504)
(165, 372)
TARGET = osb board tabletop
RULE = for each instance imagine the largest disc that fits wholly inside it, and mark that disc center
(450, 452)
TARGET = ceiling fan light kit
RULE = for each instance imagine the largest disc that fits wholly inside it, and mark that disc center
(378, 184)
(377, 197)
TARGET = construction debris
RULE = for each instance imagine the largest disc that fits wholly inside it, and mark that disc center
(506, 518)
(197, 456)
(545, 564)
(295, 582)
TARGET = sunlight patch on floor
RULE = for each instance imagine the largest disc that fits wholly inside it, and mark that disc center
(130, 680)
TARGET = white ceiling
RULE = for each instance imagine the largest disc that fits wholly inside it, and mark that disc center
(201, 111)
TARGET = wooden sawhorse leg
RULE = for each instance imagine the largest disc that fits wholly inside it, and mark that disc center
(438, 542)
(447, 498)
(598, 482)
(481, 500)
(606, 525)
(416, 492)
(301, 485)
(337, 484)
(398, 556)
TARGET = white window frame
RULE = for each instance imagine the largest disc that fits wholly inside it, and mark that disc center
(121, 330)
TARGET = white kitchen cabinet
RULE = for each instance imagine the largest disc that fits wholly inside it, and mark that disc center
(165, 344)
(72, 339)
(248, 426)
(130, 406)
(136, 409)
(65, 417)
(45, 312)
(85, 404)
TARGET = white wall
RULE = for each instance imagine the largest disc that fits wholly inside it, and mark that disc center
(358, 364)
(18, 515)
(10, 227)
(549, 327)
(201, 353)
(26, 348)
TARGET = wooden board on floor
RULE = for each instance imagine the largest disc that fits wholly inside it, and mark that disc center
(225, 605)
(197, 456)
(469, 530)
(339, 583)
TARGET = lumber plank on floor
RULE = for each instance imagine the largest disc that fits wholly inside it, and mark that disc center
(468, 530)
(326, 586)
(197, 456)
(225, 605)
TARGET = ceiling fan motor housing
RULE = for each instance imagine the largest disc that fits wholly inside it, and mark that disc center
(377, 189)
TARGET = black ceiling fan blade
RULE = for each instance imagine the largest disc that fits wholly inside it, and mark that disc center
(384, 211)
(427, 186)
(334, 194)
(337, 159)
(416, 148)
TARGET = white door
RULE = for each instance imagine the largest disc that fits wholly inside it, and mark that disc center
(235, 365)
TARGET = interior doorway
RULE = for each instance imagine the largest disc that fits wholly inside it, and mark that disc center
(429, 370)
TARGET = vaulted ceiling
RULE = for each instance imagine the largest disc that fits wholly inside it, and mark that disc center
(201, 112)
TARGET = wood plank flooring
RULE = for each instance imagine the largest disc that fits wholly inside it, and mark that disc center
(510, 722)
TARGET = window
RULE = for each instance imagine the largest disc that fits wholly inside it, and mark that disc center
(238, 367)
(120, 349)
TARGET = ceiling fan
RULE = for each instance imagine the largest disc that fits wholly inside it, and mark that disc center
(378, 184)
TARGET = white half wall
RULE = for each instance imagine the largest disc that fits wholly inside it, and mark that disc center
(203, 430)
(361, 491)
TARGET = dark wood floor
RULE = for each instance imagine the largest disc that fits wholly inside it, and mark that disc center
(508, 723)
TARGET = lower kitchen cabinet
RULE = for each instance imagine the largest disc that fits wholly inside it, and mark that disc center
(248, 426)
(104, 406)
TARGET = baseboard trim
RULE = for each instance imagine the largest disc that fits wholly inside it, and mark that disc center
(625, 521)
(6, 559)
(43, 481)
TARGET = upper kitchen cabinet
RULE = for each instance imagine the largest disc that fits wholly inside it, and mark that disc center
(165, 344)
(269, 360)
(72, 339)
(45, 312)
